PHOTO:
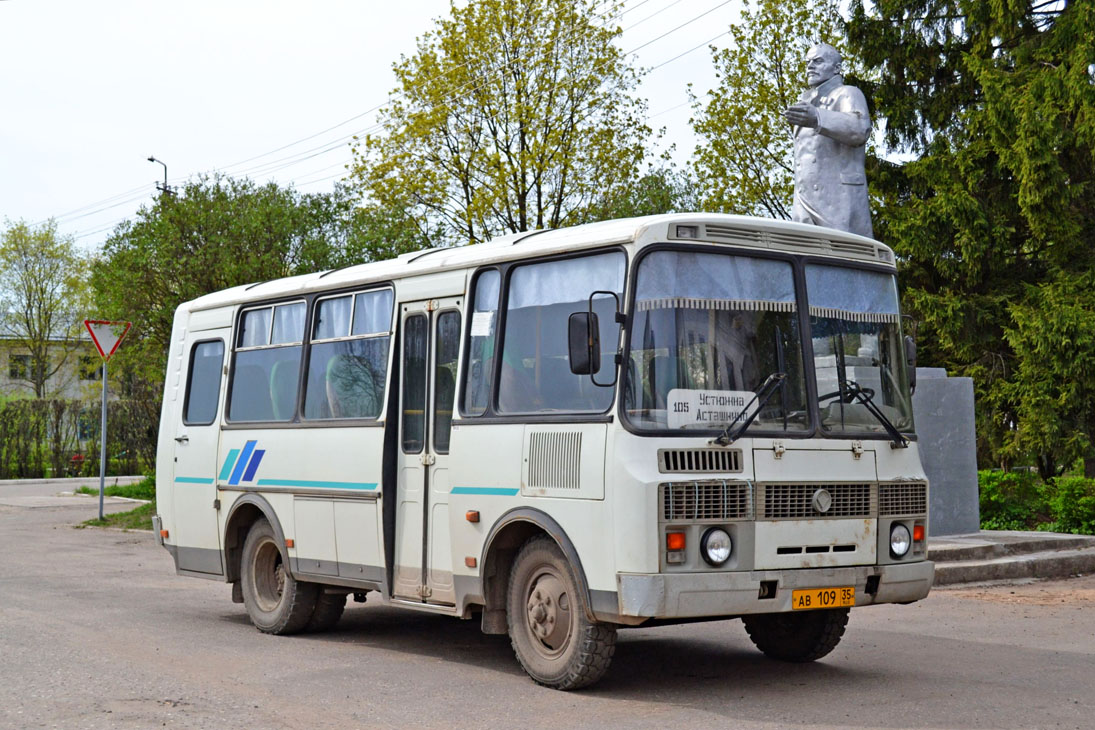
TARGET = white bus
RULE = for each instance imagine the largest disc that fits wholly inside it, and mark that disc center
(563, 432)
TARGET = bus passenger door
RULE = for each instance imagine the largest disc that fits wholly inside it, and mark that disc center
(429, 342)
(197, 429)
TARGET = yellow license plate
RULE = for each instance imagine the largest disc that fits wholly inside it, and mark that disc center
(822, 598)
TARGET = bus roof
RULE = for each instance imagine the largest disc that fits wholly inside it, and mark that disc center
(716, 227)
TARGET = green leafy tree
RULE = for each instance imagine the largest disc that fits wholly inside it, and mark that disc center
(217, 233)
(43, 301)
(511, 115)
(993, 218)
(745, 163)
(662, 189)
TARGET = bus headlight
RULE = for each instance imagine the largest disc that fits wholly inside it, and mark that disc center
(716, 546)
(900, 540)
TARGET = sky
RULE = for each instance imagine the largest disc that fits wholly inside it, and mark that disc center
(267, 89)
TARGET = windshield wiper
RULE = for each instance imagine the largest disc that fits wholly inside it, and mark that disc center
(864, 396)
(763, 393)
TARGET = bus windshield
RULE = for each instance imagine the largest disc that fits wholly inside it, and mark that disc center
(709, 329)
(858, 349)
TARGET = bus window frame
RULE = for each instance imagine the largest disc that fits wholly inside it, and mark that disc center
(306, 360)
(310, 298)
(798, 275)
(808, 338)
(491, 415)
(798, 264)
(189, 381)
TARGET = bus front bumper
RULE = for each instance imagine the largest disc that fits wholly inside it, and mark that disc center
(688, 595)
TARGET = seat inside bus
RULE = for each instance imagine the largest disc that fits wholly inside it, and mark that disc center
(352, 387)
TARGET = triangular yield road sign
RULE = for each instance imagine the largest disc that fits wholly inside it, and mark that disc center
(106, 335)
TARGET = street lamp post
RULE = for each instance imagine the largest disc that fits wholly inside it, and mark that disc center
(163, 189)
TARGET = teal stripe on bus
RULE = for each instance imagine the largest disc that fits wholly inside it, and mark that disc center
(229, 462)
(193, 480)
(310, 483)
(498, 491)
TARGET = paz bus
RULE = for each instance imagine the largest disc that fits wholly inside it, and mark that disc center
(560, 433)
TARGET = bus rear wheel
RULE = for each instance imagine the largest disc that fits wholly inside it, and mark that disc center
(554, 641)
(328, 610)
(276, 602)
(797, 637)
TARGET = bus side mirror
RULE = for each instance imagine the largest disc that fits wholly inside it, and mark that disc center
(910, 361)
(584, 340)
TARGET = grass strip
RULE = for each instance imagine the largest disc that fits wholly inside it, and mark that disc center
(135, 519)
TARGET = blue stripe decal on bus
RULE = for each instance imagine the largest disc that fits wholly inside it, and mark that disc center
(242, 463)
(229, 462)
(500, 491)
(311, 483)
(254, 465)
(193, 480)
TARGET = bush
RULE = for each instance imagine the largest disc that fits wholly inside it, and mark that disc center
(1012, 500)
(1072, 503)
(56, 438)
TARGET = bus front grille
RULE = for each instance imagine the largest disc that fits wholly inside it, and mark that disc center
(902, 498)
(717, 500)
(798, 502)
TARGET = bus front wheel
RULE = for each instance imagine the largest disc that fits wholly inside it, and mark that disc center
(556, 643)
(797, 637)
(276, 602)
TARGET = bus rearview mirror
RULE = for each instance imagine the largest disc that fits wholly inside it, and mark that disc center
(584, 340)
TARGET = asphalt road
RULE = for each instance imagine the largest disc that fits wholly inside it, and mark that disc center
(96, 631)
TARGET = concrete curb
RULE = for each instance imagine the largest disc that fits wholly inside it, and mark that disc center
(78, 481)
(1049, 564)
(994, 556)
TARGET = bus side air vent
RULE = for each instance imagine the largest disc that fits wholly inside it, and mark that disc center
(799, 242)
(731, 234)
(851, 248)
(555, 460)
(698, 461)
(902, 499)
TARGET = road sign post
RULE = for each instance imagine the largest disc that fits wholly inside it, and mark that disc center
(106, 336)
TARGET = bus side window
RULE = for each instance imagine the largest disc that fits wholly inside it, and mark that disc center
(267, 363)
(203, 382)
(414, 383)
(481, 343)
(348, 364)
(448, 345)
(536, 375)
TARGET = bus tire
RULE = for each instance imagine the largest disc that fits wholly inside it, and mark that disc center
(276, 602)
(328, 610)
(797, 637)
(558, 646)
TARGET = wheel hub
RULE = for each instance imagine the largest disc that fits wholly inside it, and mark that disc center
(549, 611)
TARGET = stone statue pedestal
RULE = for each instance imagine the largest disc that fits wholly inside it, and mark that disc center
(947, 437)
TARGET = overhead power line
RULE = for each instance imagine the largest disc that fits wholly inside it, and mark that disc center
(276, 165)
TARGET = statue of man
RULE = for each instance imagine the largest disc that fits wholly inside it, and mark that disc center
(830, 124)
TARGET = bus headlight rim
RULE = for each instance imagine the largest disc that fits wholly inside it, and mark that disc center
(900, 540)
(716, 546)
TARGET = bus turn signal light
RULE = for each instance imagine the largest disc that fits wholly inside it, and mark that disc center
(472, 515)
(674, 541)
(163, 534)
(289, 542)
(918, 533)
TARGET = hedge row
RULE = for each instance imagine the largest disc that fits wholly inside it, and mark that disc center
(1019, 500)
(55, 438)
